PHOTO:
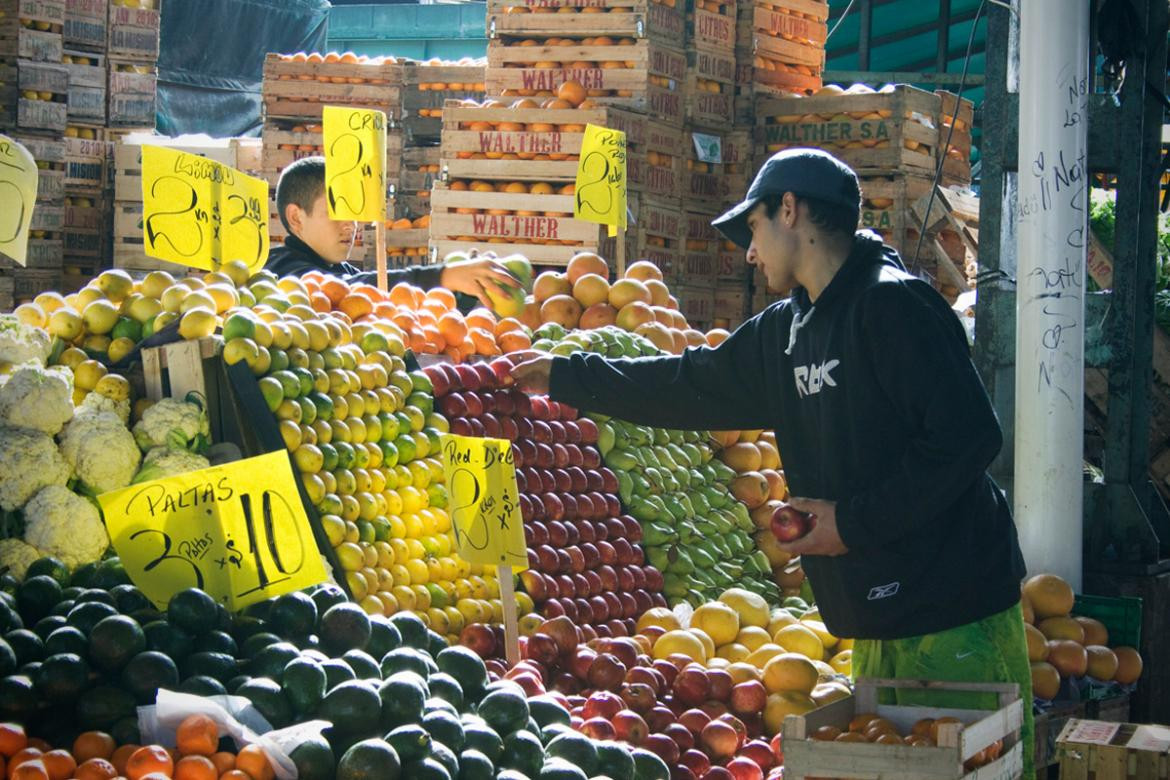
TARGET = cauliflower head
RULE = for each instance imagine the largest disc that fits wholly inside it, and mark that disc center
(167, 462)
(60, 523)
(29, 461)
(101, 451)
(16, 556)
(38, 398)
(175, 423)
(21, 343)
(95, 403)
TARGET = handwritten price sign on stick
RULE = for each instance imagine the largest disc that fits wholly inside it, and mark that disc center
(18, 195)
(236, 531)
(355, 164)
(601, 178)
(201, 213)
(485, 513)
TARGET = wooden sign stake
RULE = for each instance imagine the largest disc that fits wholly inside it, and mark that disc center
(511, 622)
(621, 252)
(380, 250)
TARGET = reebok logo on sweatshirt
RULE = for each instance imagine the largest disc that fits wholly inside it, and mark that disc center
(810, 379)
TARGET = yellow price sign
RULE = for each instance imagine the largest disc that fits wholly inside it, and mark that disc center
(18, 196)
(601, 178)
(201, 213)
(355, 163)
(237, 531)
(485, 505)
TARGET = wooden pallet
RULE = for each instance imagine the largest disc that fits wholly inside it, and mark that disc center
(648, 82)
(298, 90)
(1081, 759)
(649, 19)
(133, 94)
(710, 88)
(874, 133)
(87, 88)
(42, 41)
(87, 24)
(540, 227)
(805, 757)
(133, 33)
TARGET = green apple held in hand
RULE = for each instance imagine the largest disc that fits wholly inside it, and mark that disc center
(512, 304)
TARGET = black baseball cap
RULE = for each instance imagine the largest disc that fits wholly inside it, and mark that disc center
(809, 173)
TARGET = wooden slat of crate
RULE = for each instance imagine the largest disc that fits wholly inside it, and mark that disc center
(397, 240)
(50, 181)
(46, 217)
(712, 31)
(1116, 761)
(87, 24)
(638, 19)
(87, 89)
(780, 23)
(129, 253)
(133, 97)
(732, 265)
(699, 263)
(304, 99)
(83, 245)
(710, 88)
(1048, 725)
(50, 11)
(525, 222)
(133, 33)
(788, 52)
(657, 234)
(856, 141)
(27, 283)
(43, 254)
(85, 164)
(277, 68)
(651, 82)
(697, 304)
(783, 83)
(17, 40)
(732, 304)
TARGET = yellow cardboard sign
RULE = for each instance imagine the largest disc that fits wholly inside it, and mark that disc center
(601, 178)
(201, 213)
(355, 164)
(18, 196)
(237, 531)
(485, 506)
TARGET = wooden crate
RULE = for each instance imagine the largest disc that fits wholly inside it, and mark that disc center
(697, 304)
(887, 207)
(732, 304)
(47, 218)
(86, 163)
(874, 133)
(712, 27)
(739, 166)
(649, 19)
(1048, 725)
(239, 153)
(282, 147)
(540, 227)
(1097, 749)
(649, 82)
(85, 227)
(129, 252)
(656, 165)
(427, 88)
(952, 234)
(87, 88)
(421, 168)
(44, 254)
(956, 142)
(700, 255)
(133, 94)
(805, 757)
(50, 154)
(732, 265)
(45, 112)
(710, 88)
(26, 283)
(704, 188)
(87, 25)
(298, 90)
(42, 40)
(657, 234)
(133, 33)
(1111, 709)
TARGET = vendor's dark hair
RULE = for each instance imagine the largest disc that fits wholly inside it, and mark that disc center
(302, 182)
(828, 217)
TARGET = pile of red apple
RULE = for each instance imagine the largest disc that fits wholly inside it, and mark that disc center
(585, 560)
(696, 719)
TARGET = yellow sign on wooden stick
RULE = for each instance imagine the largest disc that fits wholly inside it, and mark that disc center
(355, 164)
(485, 501)
(237, 531)
(18, 195)
(201, 213)
(601, 178)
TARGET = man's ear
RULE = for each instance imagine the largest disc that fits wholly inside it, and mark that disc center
(295, 216)
(788, 209)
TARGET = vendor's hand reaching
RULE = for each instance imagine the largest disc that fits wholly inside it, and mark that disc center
(823, 539)
(476, 277)
(532, 375)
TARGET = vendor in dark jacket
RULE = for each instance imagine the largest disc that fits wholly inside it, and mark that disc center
(317, 243)
(864, 373)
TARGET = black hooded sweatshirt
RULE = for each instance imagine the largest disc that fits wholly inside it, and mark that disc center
(296, 258)
(876, 406)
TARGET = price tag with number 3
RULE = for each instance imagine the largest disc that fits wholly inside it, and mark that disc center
(237, 531)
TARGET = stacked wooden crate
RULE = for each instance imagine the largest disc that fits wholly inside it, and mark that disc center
(780, 47)
(623, 55)
(34, 87)
(132, 62)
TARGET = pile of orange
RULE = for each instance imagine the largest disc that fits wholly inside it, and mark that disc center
(335, 58)
(403, 223)
(579, 9)
(95, 756)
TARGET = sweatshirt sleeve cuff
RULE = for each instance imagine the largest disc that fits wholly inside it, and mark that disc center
(560, 384)
(854, 535)
(428, 276)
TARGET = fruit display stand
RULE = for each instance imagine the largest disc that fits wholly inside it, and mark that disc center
(627, 73)
(875, 133)
(33, 96)
(31, 30)
(295, 88)
(965, 738)
(654, 20)
(786, 43)
(87, 25)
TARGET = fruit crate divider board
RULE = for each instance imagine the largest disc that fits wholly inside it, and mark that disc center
(905, 762)
(258, 434)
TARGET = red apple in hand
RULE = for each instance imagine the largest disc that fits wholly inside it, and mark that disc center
(789, 523)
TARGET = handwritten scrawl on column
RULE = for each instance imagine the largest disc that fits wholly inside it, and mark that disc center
(18, 195)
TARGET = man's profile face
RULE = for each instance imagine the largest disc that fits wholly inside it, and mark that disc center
(329, 238)
(772, 247)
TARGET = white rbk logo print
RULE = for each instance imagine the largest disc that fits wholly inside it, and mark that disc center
(810, 379)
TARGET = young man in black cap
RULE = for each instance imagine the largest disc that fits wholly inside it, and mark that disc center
(880, 417)
(317, 243)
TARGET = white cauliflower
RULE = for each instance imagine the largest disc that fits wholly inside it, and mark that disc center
(168, 462)
(37, 398)
(29, 461)
(175, 423)
(20, 343)
(60, 523)
(96, 403)
(101, 451)
(16, 556)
